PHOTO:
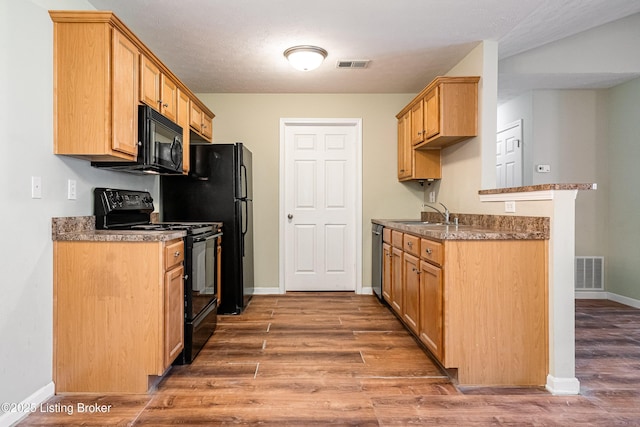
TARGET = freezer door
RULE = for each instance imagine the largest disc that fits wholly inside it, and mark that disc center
(244, 183)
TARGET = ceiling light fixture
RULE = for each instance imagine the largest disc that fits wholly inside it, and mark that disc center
(305, 58)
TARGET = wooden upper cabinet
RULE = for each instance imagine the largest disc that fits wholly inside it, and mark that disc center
(207, 126)
(102, 73)
(201, 122)
(432, 113)
(450, 112)
(124, 114)
(405, 168)
(415, 164)
(150, 83)
(168, 97)
(444, 112)
(417, 123)
(157, 89)
(95, 87)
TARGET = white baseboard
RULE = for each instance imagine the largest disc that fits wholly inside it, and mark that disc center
(39, 396)
(632, 302)
(266, 291)
(623, 300)
(591, 295)
(562, 386)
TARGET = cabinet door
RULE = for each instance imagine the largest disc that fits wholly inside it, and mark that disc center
(150, 83)
(431, 315)
(125, 95)
(183, 120)
(432, 113)
(168, 98)
(396, 280)
(195, 117)
(207, 126)
(411, 292)
(173, 314)
(417, 123)
(405, 150)
(386, 272)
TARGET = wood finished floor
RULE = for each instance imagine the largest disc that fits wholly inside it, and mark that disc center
(321, 359)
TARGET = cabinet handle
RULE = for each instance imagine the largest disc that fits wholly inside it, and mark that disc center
(415, 270)
(410, 244)
(165, 105)
(428, 250)
(176, 254)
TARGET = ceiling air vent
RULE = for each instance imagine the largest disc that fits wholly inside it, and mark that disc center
(353, 63)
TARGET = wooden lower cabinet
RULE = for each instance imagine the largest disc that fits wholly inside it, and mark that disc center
(411, 296)
(396, 280)
(118, 314)
(431, 319)
(479, 306)
(386, 272)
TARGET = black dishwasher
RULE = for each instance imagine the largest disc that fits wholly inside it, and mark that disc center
(376, 259)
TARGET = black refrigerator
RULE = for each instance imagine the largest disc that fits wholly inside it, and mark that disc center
(218, 189)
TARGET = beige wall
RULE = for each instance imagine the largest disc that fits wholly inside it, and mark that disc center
(255, 120)
(622, 267)
(567, 129)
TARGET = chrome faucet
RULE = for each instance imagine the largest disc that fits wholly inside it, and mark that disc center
(444, 214)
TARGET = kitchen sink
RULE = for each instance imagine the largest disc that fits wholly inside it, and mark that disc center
(416, 222)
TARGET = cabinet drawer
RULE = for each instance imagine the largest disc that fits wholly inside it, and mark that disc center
(396, 239)
(386, 235)
(431, 251)
(173, 253)
(411, 244)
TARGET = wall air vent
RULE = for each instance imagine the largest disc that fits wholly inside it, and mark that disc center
(353, 63)
(589, 273)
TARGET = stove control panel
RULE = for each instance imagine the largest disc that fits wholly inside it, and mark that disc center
(109, 200)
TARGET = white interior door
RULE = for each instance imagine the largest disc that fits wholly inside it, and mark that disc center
(320, 200)
(509, 156)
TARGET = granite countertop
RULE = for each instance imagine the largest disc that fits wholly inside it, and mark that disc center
(474, 227)
(540, 187)
(82, 228)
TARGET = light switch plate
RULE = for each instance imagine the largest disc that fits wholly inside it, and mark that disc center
(36, 187)
(71, 189)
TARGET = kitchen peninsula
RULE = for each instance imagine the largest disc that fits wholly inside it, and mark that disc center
(474, 294)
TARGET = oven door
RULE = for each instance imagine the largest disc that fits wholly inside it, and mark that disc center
(201, 285)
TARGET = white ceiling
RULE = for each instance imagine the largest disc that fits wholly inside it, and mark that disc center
(236, 46)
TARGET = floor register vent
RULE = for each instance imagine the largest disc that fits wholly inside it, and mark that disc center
(589, 273)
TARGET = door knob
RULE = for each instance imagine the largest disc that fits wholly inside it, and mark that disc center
(290, 216)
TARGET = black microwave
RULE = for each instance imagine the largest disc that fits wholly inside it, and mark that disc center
(159, 146)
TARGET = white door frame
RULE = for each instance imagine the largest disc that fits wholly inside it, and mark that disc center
(357, 123)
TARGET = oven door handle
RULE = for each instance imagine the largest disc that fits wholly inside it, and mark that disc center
(206, 237)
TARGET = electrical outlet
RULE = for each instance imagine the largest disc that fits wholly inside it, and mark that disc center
(71, 189)
(510, 206)
(36, 187)
(543, 168)
(432, 196)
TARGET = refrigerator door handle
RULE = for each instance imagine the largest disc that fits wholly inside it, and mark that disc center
(243, 178)
(243, 221)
